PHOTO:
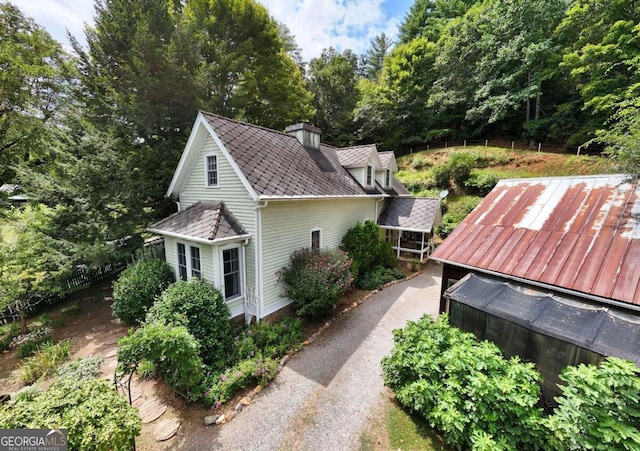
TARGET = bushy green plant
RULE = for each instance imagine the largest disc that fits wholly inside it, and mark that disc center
(137, 289)
(172, 350)
(28, 348)
(599, 407)
(316, 279)
(269, 340)
(480, 183)
(461, 164)
(200, 308)
(368, 250)
(44, 361)
(466, 390)
(220, 387)
(457, 211)
(7, 333)
(95, 416)
(378, 276)
(81, 369)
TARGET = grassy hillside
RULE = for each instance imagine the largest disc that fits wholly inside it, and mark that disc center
(470, 172)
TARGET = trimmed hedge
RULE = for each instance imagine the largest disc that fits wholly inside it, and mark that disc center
(137, 289)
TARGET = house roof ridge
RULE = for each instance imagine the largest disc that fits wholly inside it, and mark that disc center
(247, 124)
(216, 221)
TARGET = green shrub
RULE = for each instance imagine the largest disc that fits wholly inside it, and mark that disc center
(464, 388)
(269, 340)
(44, 361)
(95, 416)
(457, 211)
(7, 333)
(378, 276)
(202, 310)
(461, 164)
(137, 289)
(81, 368)
(480, 183)
(172, 350)
(316, 279)
(366, 247)
(599, 408)
(222, 386)
(32, 345)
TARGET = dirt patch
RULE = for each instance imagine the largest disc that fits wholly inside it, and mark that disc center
(84, 317)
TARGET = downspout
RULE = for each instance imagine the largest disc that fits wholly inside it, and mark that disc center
(259, 278)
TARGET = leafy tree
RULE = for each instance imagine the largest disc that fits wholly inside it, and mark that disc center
(32, 83)
(31, 262)
(139, 77)
(374, 58)
(247, 73)
(600, 56)
(333, 80)
(97, 205)
(622, 138)
(427, 18)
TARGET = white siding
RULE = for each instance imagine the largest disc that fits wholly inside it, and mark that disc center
(230, 190)
(360, 174)
(287, 227)
(209, 264)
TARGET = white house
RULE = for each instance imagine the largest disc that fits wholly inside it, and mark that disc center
(249, 197)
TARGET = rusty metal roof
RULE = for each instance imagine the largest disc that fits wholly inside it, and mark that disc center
(580, 234)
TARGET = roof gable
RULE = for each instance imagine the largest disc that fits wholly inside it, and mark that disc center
(388, 160)
(359, 157)
(577, 233)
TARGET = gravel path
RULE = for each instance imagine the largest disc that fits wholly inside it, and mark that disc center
(324, 395)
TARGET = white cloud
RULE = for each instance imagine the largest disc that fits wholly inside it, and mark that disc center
(316, 24)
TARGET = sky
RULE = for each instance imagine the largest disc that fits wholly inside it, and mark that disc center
(316, 24)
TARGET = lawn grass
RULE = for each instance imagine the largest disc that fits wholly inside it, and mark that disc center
(408, 432)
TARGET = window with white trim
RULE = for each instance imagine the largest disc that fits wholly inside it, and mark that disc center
(387, 178)
(182, 261)
(189, 263)
(316, 239)
(231, 264)
(196, 270)
(369, 175)
(211, 170)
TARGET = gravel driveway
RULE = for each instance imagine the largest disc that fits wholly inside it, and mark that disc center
(323, 396)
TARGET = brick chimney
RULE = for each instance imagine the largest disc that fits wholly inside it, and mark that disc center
(308, 135)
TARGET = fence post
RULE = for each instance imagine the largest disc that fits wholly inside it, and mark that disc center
(512, 145)
(579, 149)
(539, 146)
(446, 144)
(427, 146)
(465, 143)
(486, 142)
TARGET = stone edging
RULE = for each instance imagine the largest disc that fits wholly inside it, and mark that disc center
(250, 397)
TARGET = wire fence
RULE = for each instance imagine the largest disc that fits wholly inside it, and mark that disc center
(514, 145)
(82, 277)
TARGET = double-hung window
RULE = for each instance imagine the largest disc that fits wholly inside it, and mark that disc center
(387, 178)
(315, 239)
(196, 270)
(369, 175)
(211, 168)
(231, 263)
(189, 264)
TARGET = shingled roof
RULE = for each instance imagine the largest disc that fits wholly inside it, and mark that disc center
(356, 156)
(202, 222)
(577, 233)
(277, 165)
(412, 214)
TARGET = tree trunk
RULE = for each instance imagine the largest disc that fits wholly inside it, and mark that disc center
(20, 305)
(537, 116)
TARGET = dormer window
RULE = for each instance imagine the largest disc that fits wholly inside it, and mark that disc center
(369, 175)
(387, 178)
(211, 170)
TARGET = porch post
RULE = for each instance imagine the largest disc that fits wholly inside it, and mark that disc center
(398, 251)
(422, 248)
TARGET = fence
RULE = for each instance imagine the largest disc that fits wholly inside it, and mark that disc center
(514, 145)
(84, 277)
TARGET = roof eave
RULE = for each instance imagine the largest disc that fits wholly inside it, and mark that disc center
(194, 239)
(320, 197)
(599, 299)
